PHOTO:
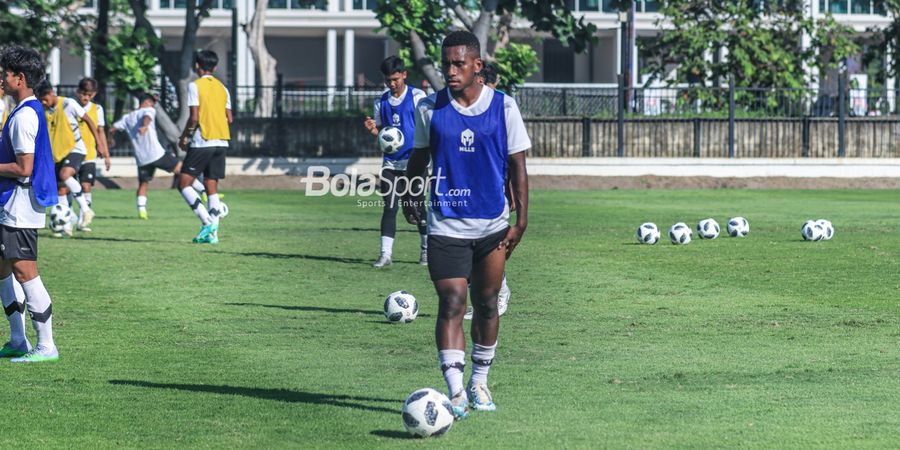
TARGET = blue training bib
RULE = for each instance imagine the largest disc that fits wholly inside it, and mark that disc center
(401, 116)
(43, 175)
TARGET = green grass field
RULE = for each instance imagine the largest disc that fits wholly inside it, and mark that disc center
(275, 338)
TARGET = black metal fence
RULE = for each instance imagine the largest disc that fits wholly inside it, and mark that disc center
(610, 121)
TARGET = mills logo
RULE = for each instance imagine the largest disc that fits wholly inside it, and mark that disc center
(396, 119)
(467, 138)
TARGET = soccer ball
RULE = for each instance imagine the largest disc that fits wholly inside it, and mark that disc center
(648, 233)
(60, 216)
(223, 210)
(427, 413)
(390, 140)
(812, 231)
(708, 229)
(400, 307)
(680, 234)
(738, 227)
(827, 227)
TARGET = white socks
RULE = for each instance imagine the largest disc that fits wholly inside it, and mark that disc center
(64, 200)
(423, 241)
(41, 309)
(75, 188)
(14, 305)
(482, 357)
(89, 198)
(387, 245)
(198, 186)
(142, 203)
(193, 200)
(215, 207)
(453, 364)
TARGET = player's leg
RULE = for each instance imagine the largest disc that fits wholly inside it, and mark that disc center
(194, 163)
(20, 250)
(487, 279)
(14, 306)
(388, 190)
(85, 176)
(451, 263)
(145, 175)
(71, 165)
(214, 172)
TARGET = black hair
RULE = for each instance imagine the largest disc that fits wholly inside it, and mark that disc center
(144, 96)
(391, 65)
(88, 84)
(18, 59)
(206, 59)
(457, 38)
(43, 88)
(489, 73)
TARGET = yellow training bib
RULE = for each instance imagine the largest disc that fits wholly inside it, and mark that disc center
(213, 100)
(62, 139)
(86, 134)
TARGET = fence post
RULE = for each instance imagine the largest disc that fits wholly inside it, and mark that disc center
(842, 115)
(620, 146)
(805, 132)
(565, 102)
(163, 91)
(279, 93)
(585, 136)
(697, 130)
(731, 117)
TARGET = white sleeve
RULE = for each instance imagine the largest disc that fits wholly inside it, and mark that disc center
(24, 128)
(517, 139)
(193, 94)
(101, 117)
(227, 99)
(423, 124)
(418, 96)
(121, 125)
(73, 109)
(376, 113)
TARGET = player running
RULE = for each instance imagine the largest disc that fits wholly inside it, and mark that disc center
(205, 138)
(69, 151)
(87, 90)
(475, 136)
(396, 107)
(27, 187)
(149, 154)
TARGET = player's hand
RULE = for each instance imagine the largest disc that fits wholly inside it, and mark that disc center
(512, 239)
(107, 162)
(413, 203)
(143, 130)
(183, 143)
(370, 125)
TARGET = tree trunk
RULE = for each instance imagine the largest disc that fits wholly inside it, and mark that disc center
(265, 62)
(424, 63)
(99, 50)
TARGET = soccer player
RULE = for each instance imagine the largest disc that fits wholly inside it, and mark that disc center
(475, 136)
(69, 151)
(87, 89)
(27, 187)
(396, 107)
(205, 138)
(149, 154)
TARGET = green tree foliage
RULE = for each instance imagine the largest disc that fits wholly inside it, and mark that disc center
(760, 43)
(420, 25)
(886, 40)
(42, 24)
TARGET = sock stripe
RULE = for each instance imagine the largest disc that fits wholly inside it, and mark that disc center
(42, 317)
(78, 194)
(214, 212)
(482, 362)
(14, 307)
(196, 204)
(461, 366)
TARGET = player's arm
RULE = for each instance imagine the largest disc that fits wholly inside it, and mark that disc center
(101, 143)
(145, 125)
(21, 167)
(106, 161)
(518, 178)
(190, 128)
(416, 172)
(370, 123)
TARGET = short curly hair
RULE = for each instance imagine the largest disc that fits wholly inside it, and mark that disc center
(18, 59)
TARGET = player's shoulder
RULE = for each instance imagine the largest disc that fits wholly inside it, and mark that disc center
(24, 115)
(428, 102)
(417, 93)
(99, 108)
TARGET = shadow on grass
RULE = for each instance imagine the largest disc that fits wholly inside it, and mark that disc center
(393, 434)
(340, 259)
(405, 230)
(319, 309)
(281, 395)
(117, 239)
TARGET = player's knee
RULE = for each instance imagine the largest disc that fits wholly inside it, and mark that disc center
(485, 302)
(453, 305)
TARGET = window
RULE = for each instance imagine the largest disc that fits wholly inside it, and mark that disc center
(179, 4)
(364, 4)
(852, 7)
(298, 4)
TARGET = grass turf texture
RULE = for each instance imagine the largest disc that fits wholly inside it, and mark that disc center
(275, 337)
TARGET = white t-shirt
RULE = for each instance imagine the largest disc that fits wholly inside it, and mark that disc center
(197, 140)
(418, 96)
(22, 210)
(74, 112)
(147, 148)
(517, 141)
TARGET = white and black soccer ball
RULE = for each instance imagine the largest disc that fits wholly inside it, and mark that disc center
(812, 231)
(427, 413)
(223, 210)
(401, 307)
(680, 234)
(827, 227)
(648, 233)
(390, 140)
(60, 216)
(738, 227)
(708, 229)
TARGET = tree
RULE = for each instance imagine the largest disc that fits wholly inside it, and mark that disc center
(42, 24)
(265, 62)
(886, 41)
(760, 43)
(420, 25)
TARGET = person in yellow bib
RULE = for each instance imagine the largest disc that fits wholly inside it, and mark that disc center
(87, 89)
(205, 138)
(68, 146)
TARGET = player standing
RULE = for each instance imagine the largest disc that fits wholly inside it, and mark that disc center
(474, 135)
(27, 187)
(87, 90)
(149, 154)
(396, 107)
(205, 138)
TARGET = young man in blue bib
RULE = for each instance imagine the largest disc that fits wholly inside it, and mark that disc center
(395, 108)
(474, 136)
(27, 187)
